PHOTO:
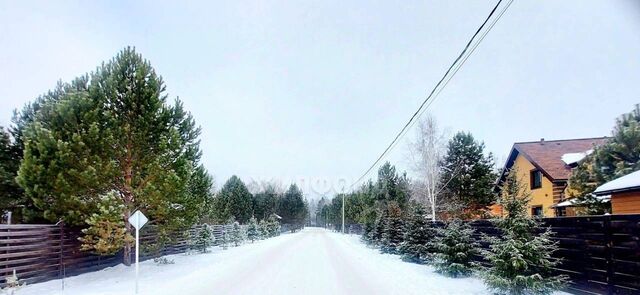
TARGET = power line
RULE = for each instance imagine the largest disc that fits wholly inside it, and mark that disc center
(473, 48)
(437, 87)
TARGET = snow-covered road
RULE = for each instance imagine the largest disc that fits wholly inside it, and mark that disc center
(314, 261)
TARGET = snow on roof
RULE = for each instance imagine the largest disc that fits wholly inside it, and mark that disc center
(572, 158)
(574, 201)
(624, 183)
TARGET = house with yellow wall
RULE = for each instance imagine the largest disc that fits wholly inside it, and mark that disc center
(544, 168)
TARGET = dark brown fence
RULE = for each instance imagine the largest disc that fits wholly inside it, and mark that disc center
(600, 254)
(41, 252)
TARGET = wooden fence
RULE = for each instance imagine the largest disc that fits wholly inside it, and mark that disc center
(41, 252)
(600, 254)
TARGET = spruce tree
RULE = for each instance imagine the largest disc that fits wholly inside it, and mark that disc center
(204, 239)
(520, 259)
(273, 226)
(393, 231)
(455, 248)
(252, 230)
(375, 236)
(236, 234)
(468, 174)
(419, 233)
(263, 228)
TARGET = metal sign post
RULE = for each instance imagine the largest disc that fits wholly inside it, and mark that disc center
(137, 220)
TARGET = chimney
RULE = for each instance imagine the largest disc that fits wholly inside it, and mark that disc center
(542, 140)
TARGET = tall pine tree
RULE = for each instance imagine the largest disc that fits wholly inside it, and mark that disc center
(113, 132)
(233, 201)
(292, 207)
(468, 174)
(520, 260)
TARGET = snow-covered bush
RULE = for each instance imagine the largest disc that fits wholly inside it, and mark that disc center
(12, 283)
(163, 260)
(521, 261)
(455, 248)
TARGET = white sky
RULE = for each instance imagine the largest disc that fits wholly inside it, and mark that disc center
(315, 90)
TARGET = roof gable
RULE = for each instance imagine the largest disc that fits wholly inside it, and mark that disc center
(547, 155)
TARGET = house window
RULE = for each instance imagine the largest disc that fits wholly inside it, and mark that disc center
(536, 211)
(536, 179)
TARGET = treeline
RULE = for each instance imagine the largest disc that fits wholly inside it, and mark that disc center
(235, 202)
(93, 150)
(453, 179)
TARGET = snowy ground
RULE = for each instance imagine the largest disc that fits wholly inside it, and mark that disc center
(314, 261)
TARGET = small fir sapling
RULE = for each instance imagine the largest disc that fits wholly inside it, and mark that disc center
(455, 248)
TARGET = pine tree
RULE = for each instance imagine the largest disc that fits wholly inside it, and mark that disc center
(252, 230)
(393, 232)
(106, 231)
(468, 174)
(114, 131)
(292, 207)
(419, 233)
(617, 157)
(392, 186)
(266, 201)
(234, 199)
(521, 261)
(455, 249)
(11, 195)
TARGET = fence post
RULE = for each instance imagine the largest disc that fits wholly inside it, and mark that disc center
(61, 248)
(609, 253)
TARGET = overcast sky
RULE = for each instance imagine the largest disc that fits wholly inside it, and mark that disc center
(315, 90)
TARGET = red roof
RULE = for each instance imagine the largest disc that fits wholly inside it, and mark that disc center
(546, 155)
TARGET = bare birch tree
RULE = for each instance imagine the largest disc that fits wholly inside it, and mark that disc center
(425, 154)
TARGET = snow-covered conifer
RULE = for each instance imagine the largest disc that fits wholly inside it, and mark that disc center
(252, 230)
(521, 261)
(393, 232)
(419, 233)
(236, 234)
(454, 248)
